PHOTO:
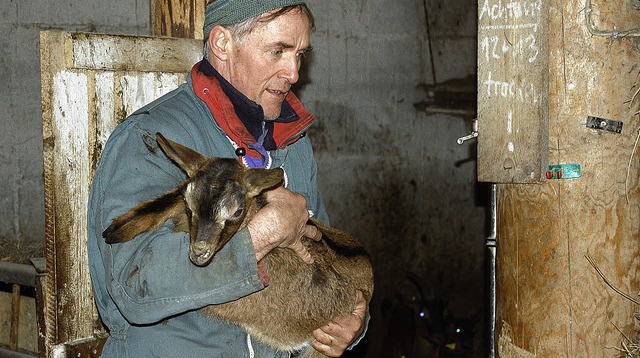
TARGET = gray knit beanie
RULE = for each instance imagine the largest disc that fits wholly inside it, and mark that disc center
(231, 12)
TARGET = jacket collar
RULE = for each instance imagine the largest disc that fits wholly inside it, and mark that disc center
(243, 120)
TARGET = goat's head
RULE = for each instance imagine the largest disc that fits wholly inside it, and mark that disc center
(217, 199)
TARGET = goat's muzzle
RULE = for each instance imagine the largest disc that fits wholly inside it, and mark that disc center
(201, 253)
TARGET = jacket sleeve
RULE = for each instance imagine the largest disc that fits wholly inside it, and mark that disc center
(150, 277)
(302, 171)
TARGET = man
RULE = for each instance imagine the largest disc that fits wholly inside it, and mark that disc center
(235, 103)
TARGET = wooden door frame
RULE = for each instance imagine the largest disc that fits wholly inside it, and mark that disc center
(84, 95)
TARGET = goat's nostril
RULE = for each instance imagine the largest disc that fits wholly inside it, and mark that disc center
(200, 246)
(200, 256)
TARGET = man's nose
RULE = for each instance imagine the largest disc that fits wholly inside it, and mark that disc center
(291, 71)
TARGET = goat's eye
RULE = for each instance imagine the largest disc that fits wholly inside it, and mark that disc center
(237, 214)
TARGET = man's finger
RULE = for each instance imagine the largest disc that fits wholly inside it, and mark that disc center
(327, 344)
(301, 251)
(361, 306)
(312, 232)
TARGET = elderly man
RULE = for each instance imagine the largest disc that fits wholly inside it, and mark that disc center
(236, 103)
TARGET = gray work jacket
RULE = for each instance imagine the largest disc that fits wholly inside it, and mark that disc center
(146, 290)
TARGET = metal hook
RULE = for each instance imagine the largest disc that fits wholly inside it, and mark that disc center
(474, 133)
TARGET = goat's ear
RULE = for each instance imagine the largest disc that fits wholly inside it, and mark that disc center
(258, 180)
(146, 216)
(186, 158)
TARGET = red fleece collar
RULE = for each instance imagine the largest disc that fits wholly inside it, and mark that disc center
(208, 89)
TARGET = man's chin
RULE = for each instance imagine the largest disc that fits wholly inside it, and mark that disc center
(269, 118)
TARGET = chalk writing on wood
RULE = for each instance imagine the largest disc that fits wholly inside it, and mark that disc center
(512, 90)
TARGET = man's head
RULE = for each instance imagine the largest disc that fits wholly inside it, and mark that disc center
(258, 45)
(233, 12)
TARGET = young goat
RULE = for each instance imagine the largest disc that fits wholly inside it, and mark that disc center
(300, 297)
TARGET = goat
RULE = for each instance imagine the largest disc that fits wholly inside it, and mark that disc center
(300, 297)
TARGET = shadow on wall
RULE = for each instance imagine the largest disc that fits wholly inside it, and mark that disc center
(412, 325)
(417, 226)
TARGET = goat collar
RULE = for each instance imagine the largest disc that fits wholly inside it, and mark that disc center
(237, 115)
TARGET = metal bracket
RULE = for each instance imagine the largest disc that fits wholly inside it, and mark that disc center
(605, 124)
(474, 133)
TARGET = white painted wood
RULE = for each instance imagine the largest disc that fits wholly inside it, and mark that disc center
(162, 54)
(105, 106)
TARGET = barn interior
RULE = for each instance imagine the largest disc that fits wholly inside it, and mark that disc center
(484, 152)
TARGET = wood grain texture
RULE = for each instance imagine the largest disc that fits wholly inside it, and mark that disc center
(552, 300)
(84, 96)
(178, 18)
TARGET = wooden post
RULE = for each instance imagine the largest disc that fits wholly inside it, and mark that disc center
(558, 241)
(15, 317)
(178, 18)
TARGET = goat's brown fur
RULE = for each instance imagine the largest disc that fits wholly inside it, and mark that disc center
(300, 297)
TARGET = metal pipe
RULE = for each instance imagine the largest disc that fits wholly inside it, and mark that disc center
(490, 243)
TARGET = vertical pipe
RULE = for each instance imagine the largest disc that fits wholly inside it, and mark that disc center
(490, 243)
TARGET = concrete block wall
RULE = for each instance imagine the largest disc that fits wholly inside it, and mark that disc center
(390, 174)
(21, 192)
(394, 176)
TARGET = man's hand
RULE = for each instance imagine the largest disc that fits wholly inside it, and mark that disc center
(334, 338)
(282, 223)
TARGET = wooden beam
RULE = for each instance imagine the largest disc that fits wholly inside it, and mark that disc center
(113, 53)
(178, 18)
(15, 317)
(551, 300)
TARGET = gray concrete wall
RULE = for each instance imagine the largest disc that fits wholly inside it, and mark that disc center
(392, 175)
(21, 191)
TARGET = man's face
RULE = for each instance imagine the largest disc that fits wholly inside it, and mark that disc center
(266, 63)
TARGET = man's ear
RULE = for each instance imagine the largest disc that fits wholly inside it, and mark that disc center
(220, 42)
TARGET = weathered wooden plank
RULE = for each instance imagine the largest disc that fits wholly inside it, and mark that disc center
(15, 317)
(178, 18)
(70, 124)
(54, 49)
(133, 53)
(81, 348)
(513, 69)
(139, 89)
(42, 311)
